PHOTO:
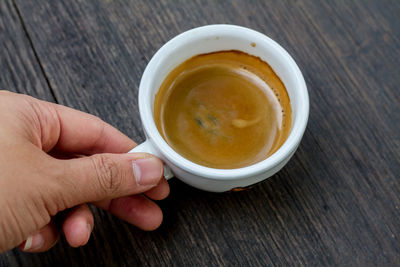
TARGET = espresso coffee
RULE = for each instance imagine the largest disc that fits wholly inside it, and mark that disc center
(223, 110)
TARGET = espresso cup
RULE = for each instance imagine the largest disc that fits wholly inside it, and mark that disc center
(207, 39)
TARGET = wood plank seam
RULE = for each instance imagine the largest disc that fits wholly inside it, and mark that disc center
(34, 50)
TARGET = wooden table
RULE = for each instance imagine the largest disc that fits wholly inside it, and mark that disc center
(337, 202)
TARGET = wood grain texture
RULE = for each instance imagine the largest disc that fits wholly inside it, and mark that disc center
(337, 202)
(20, 70)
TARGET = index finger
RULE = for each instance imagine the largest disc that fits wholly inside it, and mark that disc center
(83, 133)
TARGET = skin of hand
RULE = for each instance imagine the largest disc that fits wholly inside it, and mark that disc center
(54, 158)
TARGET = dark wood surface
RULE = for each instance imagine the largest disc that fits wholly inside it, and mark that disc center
(337, 202)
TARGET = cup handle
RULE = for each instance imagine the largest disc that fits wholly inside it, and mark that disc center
(147, 147)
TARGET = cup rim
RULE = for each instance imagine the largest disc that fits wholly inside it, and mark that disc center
(284, 152)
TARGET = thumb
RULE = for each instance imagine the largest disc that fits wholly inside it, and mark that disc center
(107, 176)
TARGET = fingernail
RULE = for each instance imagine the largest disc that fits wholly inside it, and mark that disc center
(34, 242)
(89, 230)
(147, 171)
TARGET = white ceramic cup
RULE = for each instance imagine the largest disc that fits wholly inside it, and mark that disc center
(208, 39)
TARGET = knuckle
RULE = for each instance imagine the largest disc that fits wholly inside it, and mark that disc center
(107, 173)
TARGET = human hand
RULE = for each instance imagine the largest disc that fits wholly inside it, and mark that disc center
(55, 158)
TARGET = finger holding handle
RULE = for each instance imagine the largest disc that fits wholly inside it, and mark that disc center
(147, 147)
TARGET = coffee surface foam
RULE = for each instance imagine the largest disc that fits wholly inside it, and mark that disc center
(223, 110)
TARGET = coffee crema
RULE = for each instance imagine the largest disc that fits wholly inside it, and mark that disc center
(223, 110)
